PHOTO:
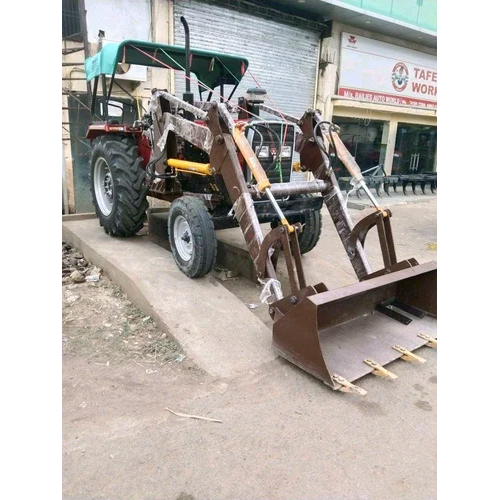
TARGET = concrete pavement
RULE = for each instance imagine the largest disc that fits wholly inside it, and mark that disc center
(209, 322)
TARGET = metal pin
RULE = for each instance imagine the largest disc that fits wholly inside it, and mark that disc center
(407, 355)
(341, 384)
(379, 370)
(431, 342)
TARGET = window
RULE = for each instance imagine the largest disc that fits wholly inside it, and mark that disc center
(415, 150)
(364, 140)
(71, 28)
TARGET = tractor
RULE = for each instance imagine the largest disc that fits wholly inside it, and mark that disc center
(223, 164)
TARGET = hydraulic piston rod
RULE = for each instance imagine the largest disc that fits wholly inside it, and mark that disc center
(263, 184)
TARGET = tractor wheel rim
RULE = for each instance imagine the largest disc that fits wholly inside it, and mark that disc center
(183, 238)
(103, 186)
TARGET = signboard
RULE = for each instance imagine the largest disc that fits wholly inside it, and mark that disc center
(380, 72)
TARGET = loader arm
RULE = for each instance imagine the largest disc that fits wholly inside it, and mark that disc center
(336, 335)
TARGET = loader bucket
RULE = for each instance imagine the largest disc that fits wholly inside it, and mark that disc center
(330, 333)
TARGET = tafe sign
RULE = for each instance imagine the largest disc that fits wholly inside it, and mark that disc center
(381, 72)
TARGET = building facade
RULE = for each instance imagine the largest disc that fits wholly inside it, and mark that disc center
(368, 65)
(377, 79)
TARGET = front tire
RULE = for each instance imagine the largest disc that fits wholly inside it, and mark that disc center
(311, 230)
(192, 237)
(118, 186)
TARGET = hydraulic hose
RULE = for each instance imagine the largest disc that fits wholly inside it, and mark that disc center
(278, 140)
(150, 171)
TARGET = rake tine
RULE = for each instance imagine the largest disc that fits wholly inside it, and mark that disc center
(394, 185)
(358, 193)
(404, 187)
(422, 186)
(386, 188)
(414, 187)
(377, 188)
(433, 189)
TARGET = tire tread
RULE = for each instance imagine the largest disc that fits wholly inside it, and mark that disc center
(129, 187)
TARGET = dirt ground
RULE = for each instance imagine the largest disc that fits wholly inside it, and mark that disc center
(100, 323)
(283, 435)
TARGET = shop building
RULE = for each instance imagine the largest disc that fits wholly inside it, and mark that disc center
(377, 79)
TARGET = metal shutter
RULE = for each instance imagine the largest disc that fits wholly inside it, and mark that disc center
(282, 57)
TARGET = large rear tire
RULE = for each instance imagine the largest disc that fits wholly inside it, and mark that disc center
(311, 230)
(118, 186)
(192, 237)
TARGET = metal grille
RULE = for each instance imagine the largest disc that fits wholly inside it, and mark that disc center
(264, 9)
(71, 27)
(282, 57)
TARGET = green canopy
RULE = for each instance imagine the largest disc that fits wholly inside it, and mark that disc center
(209, 67)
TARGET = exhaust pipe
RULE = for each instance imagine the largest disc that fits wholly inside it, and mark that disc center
(187, 96)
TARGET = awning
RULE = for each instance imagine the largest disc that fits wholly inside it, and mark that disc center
(211, 68)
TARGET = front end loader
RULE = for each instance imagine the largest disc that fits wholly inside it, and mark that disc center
(206, 158)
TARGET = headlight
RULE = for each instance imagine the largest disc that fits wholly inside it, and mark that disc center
(286, 151)
(263, 152)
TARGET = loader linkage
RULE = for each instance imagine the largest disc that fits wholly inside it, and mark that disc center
(313, 325)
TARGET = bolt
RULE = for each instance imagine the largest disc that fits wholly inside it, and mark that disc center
(293, 299)
(271, 312)
(281, 229)
(219, 139)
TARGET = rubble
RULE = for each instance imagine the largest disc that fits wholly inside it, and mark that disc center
(75, 269)
(77, 277)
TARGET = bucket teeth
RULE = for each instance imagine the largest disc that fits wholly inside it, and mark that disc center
(341, 384)
(379, 370)
(408, 355)
(431, 342)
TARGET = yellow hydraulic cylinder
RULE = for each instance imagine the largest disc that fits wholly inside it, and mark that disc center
(263, 184)
(191, 167)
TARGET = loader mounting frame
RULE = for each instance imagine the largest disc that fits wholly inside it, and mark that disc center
(392, 293)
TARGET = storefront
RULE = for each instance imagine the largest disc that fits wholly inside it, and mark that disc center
(282, 49)
(386, 105)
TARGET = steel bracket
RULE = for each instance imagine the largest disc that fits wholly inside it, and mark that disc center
(279, 239)
(381, 219)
